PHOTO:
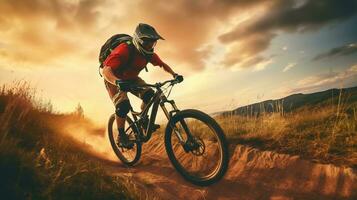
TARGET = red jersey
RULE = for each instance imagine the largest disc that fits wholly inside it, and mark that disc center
(119, 58)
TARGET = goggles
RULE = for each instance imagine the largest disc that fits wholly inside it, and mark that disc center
(148, 44)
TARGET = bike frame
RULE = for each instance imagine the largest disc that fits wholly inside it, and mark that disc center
(176, 126)
(159, 99)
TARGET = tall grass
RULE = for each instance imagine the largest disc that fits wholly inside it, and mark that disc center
(326, 133)
(37, 162)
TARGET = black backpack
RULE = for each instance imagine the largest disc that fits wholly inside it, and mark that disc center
(111, 44)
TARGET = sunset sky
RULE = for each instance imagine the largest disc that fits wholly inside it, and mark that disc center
(231, 52)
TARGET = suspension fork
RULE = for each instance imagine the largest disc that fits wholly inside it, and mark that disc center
(169, 116)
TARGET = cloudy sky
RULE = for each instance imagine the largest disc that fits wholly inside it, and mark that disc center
(231, 52)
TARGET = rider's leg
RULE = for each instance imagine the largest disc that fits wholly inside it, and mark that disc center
(120, 122)
(121, 110)
(146, 97)
(122, 107)
(146, 94)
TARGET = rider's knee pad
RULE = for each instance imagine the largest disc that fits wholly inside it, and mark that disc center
(148, 95)
(122, 108)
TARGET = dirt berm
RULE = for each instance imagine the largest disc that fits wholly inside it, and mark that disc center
(252, 174)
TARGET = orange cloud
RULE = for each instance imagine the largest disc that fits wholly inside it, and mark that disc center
(49, 30)
(39, 32)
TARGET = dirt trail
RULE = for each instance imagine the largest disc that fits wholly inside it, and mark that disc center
(252, 174)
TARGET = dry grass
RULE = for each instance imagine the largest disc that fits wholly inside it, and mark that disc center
(37, 162)
(326, 133)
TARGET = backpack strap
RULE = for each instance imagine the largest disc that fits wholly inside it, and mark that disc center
(131, 48)
(131, 56)
(131, 52)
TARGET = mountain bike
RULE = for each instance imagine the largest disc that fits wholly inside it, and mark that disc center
(194, 141)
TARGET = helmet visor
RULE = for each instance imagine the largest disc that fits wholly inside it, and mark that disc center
(148, 44)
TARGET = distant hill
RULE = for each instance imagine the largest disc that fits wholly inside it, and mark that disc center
(296, 101)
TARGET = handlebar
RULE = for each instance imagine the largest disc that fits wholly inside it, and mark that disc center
(172, 82)
(156, 85)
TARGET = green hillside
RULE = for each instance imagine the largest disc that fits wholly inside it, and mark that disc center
(321, 126)
(296, 101)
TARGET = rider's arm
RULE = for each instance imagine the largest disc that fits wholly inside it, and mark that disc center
(117, 58)
(109, 75)
(167, 68)
(156, 61)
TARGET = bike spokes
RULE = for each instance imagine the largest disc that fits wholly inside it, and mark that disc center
(128, 156)
(201, 154)
(128, 153)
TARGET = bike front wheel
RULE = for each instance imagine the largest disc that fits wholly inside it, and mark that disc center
(129, 156)
(197, 147)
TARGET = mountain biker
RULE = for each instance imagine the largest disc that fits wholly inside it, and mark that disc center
(118, 79)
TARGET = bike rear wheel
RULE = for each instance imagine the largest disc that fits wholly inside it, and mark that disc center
(203, 157)
(129, 156)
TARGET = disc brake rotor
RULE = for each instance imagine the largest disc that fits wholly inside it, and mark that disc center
(197, 146)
